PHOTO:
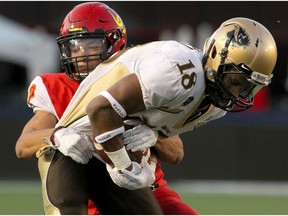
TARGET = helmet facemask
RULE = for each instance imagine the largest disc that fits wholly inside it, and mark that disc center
(81, 53)
(231, 88)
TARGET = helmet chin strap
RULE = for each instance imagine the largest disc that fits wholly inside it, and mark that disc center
(107, 54)
(224, 50)
(223, 54)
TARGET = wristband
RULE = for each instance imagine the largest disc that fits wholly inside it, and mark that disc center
(114, 104)
(120, 158)
(109, 135)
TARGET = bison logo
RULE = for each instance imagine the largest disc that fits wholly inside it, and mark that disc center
(239, 36)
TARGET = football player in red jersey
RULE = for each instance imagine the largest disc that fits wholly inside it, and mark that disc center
(102, 34)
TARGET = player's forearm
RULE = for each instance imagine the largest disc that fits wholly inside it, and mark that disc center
(107, 127)
(169, 149)
(104, 120)
(30, 142)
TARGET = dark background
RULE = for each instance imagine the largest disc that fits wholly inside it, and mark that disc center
(243, 146)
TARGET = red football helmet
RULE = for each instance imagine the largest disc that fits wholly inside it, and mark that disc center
(91, 32)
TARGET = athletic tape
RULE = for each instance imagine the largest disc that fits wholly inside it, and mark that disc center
(120, 158)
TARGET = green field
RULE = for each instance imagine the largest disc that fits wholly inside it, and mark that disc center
(223, 204)
(25, 198)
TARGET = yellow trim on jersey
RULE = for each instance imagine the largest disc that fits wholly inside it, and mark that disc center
(103, 83)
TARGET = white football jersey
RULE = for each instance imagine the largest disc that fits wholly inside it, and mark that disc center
(172, 82)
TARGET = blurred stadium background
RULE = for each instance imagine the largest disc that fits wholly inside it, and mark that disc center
(235, 165)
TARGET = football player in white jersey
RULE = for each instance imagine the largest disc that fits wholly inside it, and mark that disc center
(49, 95)
(173, 88)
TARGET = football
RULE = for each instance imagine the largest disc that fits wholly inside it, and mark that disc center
(134, 156)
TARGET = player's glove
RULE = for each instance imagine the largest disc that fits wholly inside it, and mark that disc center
(141, 175)
(74, 144)
(139, 137)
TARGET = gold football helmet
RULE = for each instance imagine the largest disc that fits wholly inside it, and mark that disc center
(238, 60)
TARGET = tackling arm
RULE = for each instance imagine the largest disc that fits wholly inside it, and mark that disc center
(68, 141)
(169, 149)
(30, 141)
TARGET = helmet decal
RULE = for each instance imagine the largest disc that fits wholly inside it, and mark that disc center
(117, 20)
(239, 36)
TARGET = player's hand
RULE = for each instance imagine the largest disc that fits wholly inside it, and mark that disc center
(74, 144)
(139, 137)
(141, 175)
